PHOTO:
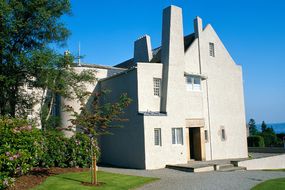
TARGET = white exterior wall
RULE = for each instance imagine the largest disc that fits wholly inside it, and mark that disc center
(125, 147)
(90, 87)
(226, 100)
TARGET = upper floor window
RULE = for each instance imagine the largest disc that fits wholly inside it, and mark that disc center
(212, 49)
(193, 83)
(156, 86)
(177, 136)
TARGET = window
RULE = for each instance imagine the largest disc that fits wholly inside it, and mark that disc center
(193, 83)
(156, 86)
(177, 136)
(223, 134)
(157, 137)
(29, 111)
(30, 86)
(212, 49)
(206, 135)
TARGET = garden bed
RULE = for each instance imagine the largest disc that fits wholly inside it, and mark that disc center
(38, 175)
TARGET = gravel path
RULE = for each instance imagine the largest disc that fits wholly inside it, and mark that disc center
(178, 180)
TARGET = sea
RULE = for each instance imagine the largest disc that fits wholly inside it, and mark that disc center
(278, 127)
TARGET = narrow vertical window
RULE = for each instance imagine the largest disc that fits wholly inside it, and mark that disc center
(156, 86)
(223, 134)
(212, 49)
(157, 137)
(177, 136)
(206, 135)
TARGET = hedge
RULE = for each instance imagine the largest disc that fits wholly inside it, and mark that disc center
(255, 141)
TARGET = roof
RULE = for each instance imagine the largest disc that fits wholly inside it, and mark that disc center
(98, 66)
(188, 40)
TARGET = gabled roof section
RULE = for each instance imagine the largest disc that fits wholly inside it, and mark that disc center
(188, 40)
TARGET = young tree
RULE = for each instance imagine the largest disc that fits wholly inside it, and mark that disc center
(252, 127)
(263, 127)
(26, 30)
(97, 118)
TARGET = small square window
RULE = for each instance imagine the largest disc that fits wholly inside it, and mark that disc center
(30, 86)
(193, 83)
(157, 137)
(29, 111)
(212, 49)
(156, 86)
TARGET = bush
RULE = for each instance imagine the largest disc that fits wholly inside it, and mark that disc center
(255, 141)
(79, 151)
(55, 150)
(60, 151)
(270, 139)
(20, 148)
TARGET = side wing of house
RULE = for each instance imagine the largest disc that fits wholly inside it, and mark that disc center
(223, 99)
(125, 146)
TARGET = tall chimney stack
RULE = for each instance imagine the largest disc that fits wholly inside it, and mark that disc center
(172, 57)
(198, 26)
(142, 49)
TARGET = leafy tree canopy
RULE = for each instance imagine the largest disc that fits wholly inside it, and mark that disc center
(26, 29)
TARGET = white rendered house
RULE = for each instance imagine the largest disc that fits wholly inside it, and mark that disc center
(188, 101)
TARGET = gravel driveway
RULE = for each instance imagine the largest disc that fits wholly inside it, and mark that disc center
(178, 180)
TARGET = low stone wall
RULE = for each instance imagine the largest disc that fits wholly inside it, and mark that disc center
(267, 149)
(272, 162)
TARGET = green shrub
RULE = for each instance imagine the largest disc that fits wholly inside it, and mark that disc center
(79, 151)
(55, 150)
(60, 151)
(255, 141)
(270, 139)
(20, 148)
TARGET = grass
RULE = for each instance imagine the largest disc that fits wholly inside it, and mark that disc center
(273, 184)
(72, 181)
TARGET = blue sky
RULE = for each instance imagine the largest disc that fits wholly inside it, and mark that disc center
(252, 30)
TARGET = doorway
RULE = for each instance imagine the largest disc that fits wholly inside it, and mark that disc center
(195, 143)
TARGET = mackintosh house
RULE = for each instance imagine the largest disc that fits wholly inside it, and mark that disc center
(188, 100)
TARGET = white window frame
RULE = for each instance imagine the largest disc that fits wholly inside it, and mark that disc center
(191, 84)
(157, 87)
(212, 49)
(157, 137)
(177, 136)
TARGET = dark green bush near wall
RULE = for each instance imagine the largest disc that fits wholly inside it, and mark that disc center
(255, 141)
(60, 151)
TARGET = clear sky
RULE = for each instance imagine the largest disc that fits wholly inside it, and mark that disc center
(252, 30)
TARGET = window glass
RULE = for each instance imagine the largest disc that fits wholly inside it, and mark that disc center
(156, 86)
(157, 137)
(212, 49)
(177, 136)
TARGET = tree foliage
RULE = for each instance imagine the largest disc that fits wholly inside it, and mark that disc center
(26, 29)
(252, 127)
(96, 119)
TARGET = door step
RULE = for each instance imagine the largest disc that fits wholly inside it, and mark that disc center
(195, 168)
(230, 169)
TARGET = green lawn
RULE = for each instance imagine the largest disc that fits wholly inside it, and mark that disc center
(273, 184)
(72, 181)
